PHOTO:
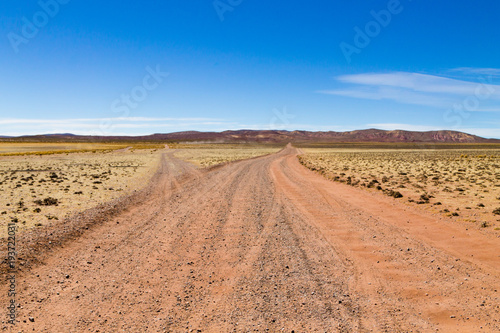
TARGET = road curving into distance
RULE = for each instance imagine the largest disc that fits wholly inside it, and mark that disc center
(263, 245)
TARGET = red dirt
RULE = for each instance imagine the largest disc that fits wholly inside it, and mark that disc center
(262, 245)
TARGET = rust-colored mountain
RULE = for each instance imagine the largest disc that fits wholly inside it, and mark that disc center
(277, 136)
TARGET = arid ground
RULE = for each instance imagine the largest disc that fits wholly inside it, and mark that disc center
(39, 190)
(461, 184)
(262, 244)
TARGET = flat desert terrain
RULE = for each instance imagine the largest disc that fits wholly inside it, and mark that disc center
(261, 243)
(40, 189)
(463, 185)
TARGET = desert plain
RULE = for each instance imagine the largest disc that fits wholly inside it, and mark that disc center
(263, 238)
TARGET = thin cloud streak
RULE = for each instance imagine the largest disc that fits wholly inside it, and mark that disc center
(421, 83)
(106, 126)
(477, 71)
(7, 121)
(417, 89)
(397, 95)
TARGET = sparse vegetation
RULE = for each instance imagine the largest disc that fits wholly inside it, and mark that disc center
(436, 177)
(47, 202)
(36, 189)
(43, 148)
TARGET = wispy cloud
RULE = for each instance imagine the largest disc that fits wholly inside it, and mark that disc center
(393, 94)
(141, 126)
(417, 89)
(488, 109)
(6, 121)
(477, 71)
(105, 126)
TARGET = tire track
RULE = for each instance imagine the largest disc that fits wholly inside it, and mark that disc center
(255, 245)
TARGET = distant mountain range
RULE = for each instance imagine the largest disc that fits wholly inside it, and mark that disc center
(273, 136)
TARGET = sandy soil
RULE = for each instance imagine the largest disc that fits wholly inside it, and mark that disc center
(207, 157)
(78, 181)
(257, 245)
(463, 185)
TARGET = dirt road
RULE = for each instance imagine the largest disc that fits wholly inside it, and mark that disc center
(263, 245)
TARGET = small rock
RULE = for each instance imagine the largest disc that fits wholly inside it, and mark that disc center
(32, 319)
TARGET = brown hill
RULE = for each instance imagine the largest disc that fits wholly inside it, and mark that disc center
(275, 136)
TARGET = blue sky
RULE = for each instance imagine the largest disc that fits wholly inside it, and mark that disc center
(114, 67)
